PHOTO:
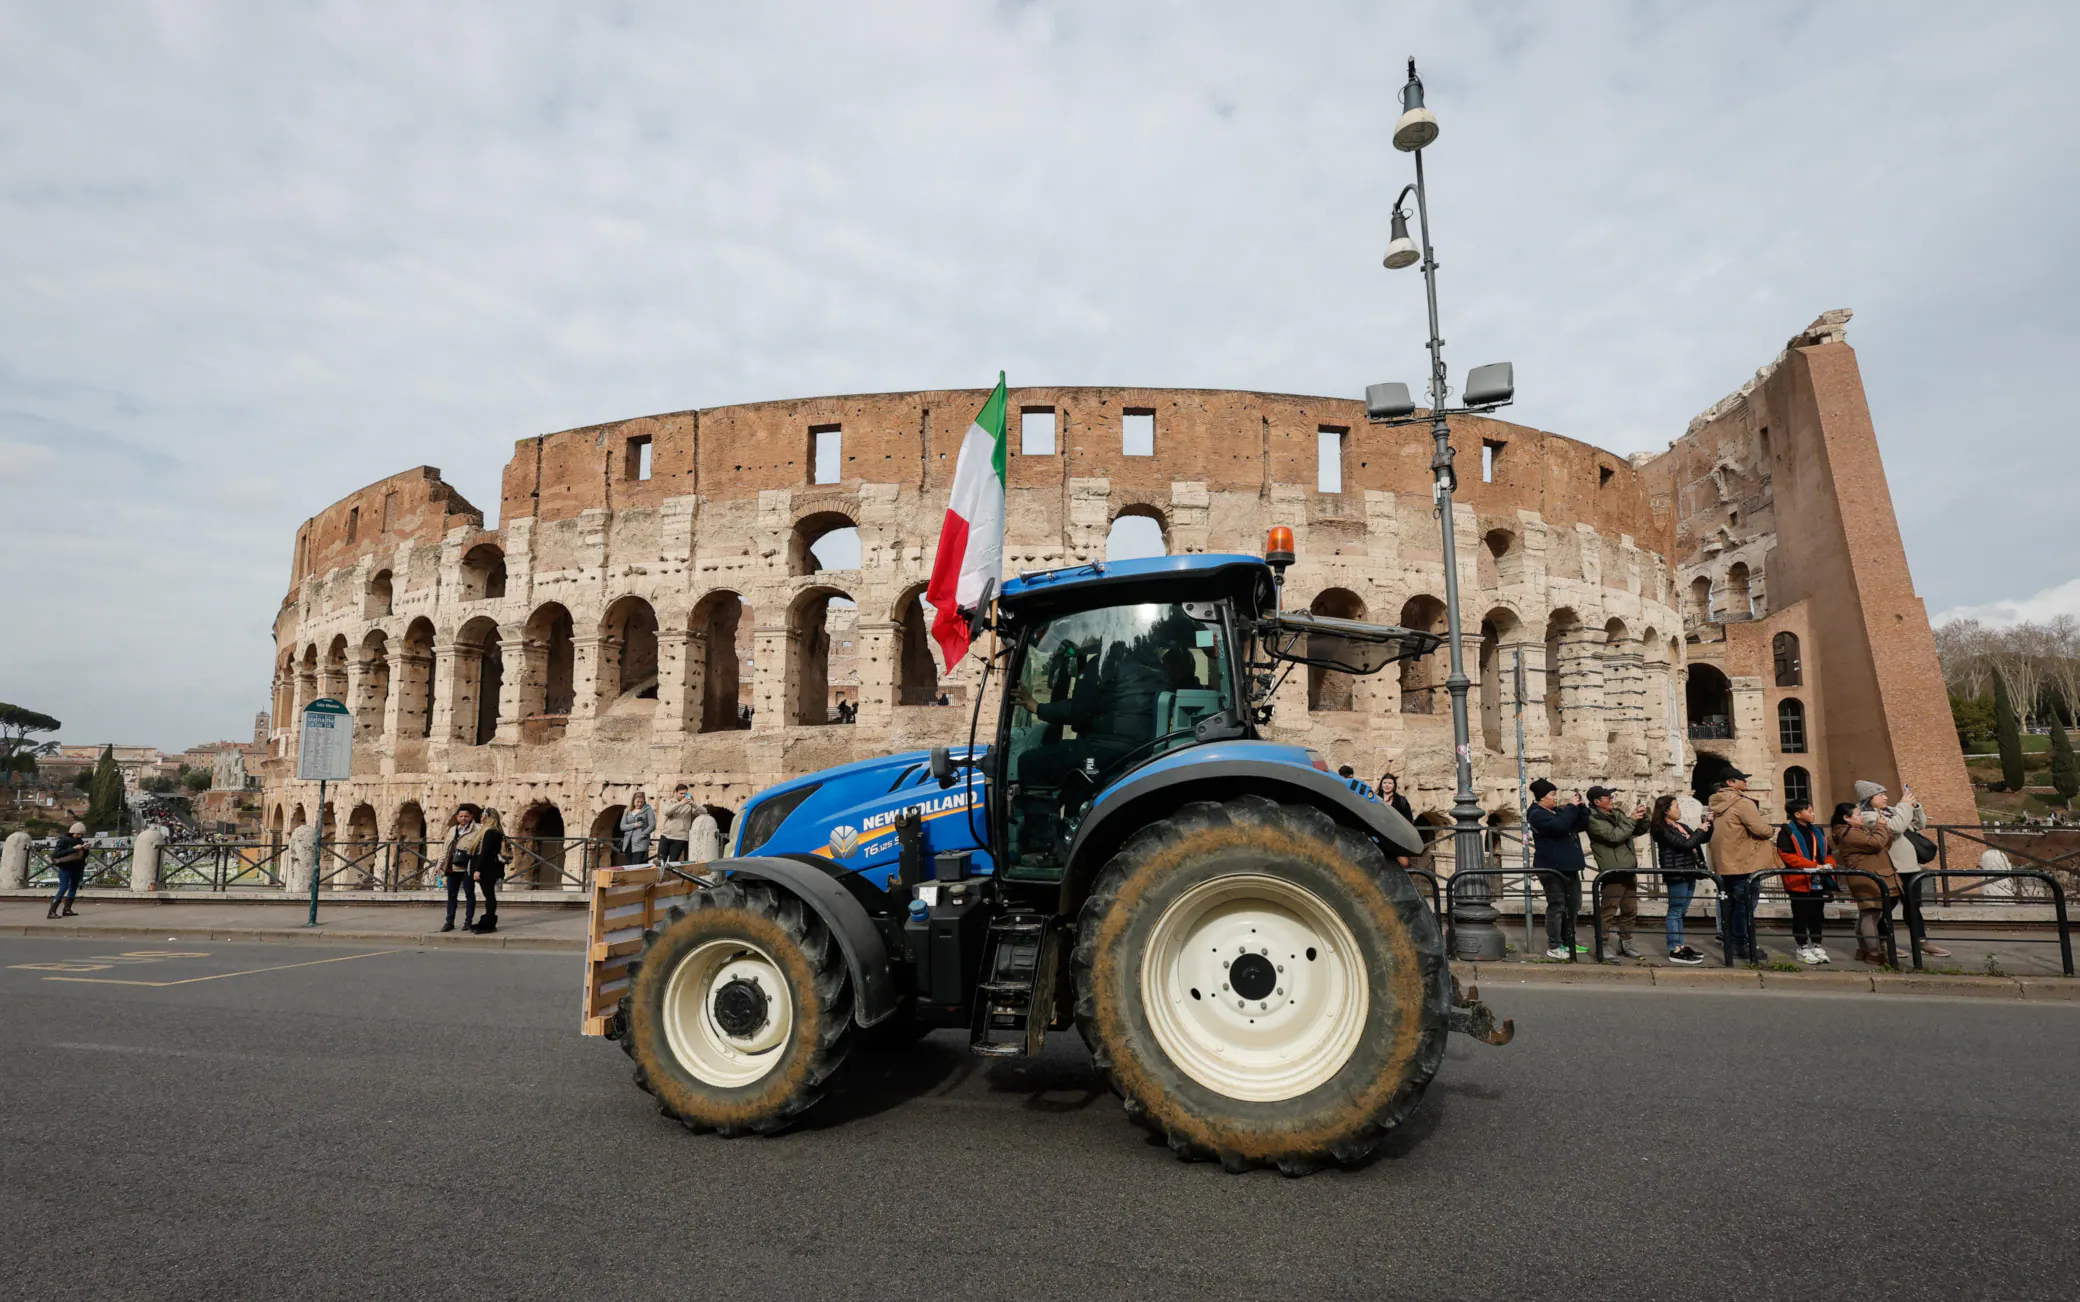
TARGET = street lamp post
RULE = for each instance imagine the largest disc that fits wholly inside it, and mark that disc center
(1487, 388)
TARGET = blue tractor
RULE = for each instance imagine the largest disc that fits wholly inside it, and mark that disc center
(1227, 924)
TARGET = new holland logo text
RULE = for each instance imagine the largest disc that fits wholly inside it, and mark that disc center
(936, 805)
(844, 840)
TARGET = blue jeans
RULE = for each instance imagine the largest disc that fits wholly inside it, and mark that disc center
(467, 886)
(68, 883)
(1680, 894)
(1737, 914)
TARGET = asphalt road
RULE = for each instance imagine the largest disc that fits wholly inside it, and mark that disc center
(430, 1124)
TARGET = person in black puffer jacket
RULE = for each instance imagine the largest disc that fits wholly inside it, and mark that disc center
(1679, 853)
(488, 866)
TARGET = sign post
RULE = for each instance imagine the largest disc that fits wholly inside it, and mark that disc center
(324, 751)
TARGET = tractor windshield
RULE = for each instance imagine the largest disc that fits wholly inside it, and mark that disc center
(1095, 694)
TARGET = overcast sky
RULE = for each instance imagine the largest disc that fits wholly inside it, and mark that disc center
(256, 255)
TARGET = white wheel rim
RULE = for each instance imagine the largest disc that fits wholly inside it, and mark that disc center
(1279, 1042)
(699, 1041)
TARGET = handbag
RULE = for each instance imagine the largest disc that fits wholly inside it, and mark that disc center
(1924, 849)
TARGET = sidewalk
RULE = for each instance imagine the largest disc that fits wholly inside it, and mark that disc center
(519, 925)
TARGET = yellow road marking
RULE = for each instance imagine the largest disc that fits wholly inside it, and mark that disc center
(111, 981)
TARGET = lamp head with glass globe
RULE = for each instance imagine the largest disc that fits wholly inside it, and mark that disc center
(1418, 125)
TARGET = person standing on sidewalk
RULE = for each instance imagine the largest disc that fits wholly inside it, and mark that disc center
(675, 829)
(1863, 845)
(1679, 853)
(1611, 834)
(638, 821)
(458, 863)
(488, 867)
(69, 857)
(1743, 844)
(1556, 855)
(1904, 817)
(1802, 845)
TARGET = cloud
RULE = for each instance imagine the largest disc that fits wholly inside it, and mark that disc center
(309, 246)
(25, 459)
(2038, 608)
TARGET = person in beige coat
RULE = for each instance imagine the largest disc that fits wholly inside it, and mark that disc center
(1743, 844)
(1901, 818)
(1863, 846)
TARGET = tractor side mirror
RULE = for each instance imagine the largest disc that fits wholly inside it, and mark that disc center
(978, 618)
(942, 766)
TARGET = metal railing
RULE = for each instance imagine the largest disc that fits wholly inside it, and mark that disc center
(1454, 889)
(1917, 884)
(1886, 899)
(1696, 877)
(107, 865)
(221, 865)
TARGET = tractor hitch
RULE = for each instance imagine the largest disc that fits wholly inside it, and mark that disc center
(1469, 1016)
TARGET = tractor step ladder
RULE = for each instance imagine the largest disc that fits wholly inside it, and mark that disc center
(1015, 1001)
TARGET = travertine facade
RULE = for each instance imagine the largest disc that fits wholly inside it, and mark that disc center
(653, 579)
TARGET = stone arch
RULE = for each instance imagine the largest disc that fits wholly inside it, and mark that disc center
(809, 649)
(916, 668)
(1497, 560)
(548, 683)
(1698, 608)
(1498, 626)
(483, 575)
(1708, 703)
(276, 829)
(822, 540)
(721, 634)
(380, 600)
(334, 681)
(1326, 688)
(298, 818)
(1561, 625)
(372, 689)
(541, 833)
(605, 834)
(1614, 632)
(628, 653)
(409, 823)
(1126, 541)
(415, 682)
(477, 671)
(1422, 678)
(361, 824)
(285, 690)
(1740, 601)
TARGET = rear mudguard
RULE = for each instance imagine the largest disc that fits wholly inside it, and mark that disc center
(866, 956)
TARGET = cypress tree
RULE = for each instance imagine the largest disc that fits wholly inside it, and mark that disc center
(2007, 733)
(105, 799)
(2065, 769)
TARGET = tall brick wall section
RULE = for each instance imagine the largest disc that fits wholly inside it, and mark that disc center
(1783, 481)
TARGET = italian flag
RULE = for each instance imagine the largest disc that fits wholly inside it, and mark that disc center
(971, 542)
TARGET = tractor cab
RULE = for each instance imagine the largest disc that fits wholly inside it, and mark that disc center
(1114, 665)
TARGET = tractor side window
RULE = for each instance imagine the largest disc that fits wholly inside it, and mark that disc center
(1098, 693)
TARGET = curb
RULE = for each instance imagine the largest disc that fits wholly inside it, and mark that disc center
(2041, 989)
(409, 940)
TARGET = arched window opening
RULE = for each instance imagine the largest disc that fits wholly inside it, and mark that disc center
(1708, 703)
(361, 826)
(1785, 659)
(1496, 563)
(605, 849)
(380, 598)
(1562, 626)
(1798, 785)
(334, 684)
(549, 684)
(1614, 633)
(410, 823)
(415, 682)
(628, 653)
(1422, 679)
(722, 636)
(1496, 667)
(285, 692)
(540, 857)
(917, 669)
(373, 692)
(818, 614)
(298, 819)
(1326, 688)
(483, 573)
(827, 540)
(1700, 604)
(1740, 604)
(275, 831)
(1791, 726)
(1137, 532)
(479, 670)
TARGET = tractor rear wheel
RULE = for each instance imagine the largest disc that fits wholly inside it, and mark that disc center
(1260, 986)
(738, 1011)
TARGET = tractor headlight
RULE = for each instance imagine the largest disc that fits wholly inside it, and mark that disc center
(763, 819)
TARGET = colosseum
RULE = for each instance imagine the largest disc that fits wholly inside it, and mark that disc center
(733, 595)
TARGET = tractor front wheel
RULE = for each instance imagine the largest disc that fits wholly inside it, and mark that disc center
(737, 1012)
(1261, 986)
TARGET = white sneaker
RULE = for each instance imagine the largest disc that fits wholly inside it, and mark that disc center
(1820, 954)
(1559, 952)
(1806, 955)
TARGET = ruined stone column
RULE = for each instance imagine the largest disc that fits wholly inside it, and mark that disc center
(144, 861)
(14, 862)
(586, 653)
(678, 710)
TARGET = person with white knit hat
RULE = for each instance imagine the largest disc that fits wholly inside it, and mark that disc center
(69, 857)
(1906, 816)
